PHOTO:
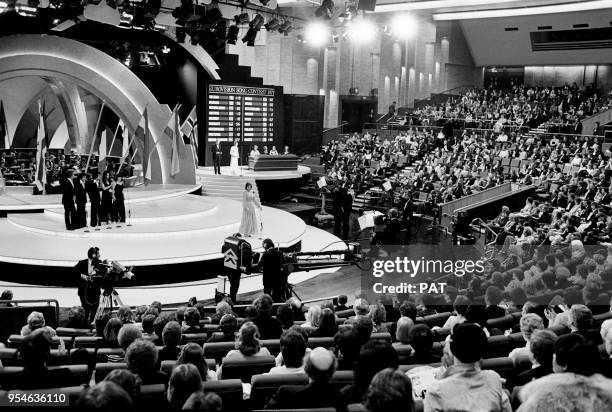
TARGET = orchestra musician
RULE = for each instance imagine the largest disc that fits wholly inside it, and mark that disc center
(88, 289)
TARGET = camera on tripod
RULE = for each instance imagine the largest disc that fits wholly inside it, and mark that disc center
(108, 274)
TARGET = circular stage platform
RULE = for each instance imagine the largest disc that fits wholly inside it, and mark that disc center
(175, 236)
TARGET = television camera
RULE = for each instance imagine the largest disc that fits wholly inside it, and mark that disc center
(106, 275)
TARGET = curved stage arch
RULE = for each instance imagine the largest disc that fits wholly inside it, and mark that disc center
(107, 78)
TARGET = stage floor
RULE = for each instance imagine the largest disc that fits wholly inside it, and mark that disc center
(268, 175)
(19, 198)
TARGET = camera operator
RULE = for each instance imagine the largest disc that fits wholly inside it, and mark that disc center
(273, 275)
(89, 290)
(387, 229)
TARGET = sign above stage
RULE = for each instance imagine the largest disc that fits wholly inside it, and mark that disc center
(258, 91)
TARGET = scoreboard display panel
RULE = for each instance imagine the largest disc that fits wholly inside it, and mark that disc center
(240, 112)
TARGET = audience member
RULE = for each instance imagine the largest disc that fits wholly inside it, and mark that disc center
(327, 325)
(141, 359)
(193, 354)
(389, 391)
(268, 327)
(293, 350)
(204, 402)
(171, 337)
(528, 324)
(541, 351)
(228, 326)
(105, 396)
(184, 380)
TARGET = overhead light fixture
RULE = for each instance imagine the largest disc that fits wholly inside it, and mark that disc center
(257, 22)
(272, 24)
(286, 27)
(403, 26)
(26, 11)
(436, 4)
(242, 18)
(361, 31)
(317, 33)
(525, 11)
(326, 10)
(250, 37)
(232, 34)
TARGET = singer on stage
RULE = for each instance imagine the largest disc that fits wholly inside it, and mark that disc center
(216, 154)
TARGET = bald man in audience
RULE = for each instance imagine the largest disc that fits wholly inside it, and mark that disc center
(319, 365)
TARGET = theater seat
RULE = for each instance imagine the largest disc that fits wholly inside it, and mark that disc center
(14, 341)
(273, 345)
(263, 387)
(79, 374)
(74, 332)
(8, 356)
(230, 391)
(356, 407)
(102, 354)
(437, 319)
(168, 365)
(152, 398)
(504, 366)
(345, 313)
(320, 342)
(380, 336)
(87, 341)
(342, 378)
(499, 345)
(244, 369)
(503, 323)
(406, 368)
(198, 338)
(103, 369)
(559, 330)
(441, 334)
(217, 350)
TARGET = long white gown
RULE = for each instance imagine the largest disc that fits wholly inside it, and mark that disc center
(234, 155)
(251, 219)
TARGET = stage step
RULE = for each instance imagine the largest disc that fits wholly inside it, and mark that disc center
(228, 186)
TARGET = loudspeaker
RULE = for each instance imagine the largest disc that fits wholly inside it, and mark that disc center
(367, 5)
(354, 90)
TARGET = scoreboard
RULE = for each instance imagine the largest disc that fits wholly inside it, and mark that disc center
(240, 112)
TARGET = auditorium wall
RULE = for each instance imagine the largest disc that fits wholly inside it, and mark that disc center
(582, 75)
(392, 70)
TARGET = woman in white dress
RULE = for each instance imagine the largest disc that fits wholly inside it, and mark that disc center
(251, 217)
(234, 155)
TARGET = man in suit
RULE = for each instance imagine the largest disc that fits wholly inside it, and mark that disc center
(347, 208)
(81, 199)
(407, 216)
(273, 276)
(68, 193)
(319, 365)
(216, 154)
(88, 290)
(92, 187)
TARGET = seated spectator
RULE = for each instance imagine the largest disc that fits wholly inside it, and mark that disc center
(228, 326)
(268, 327)
(192, 321)
(464, 386)
(347, 345)
(327, 325)
(364, 327)
(580, 320)
(36, 320)
(342, 300)
(6, 297)
(250, 312)
(127, 334)
(125, 315)
(126, 379)
(148, 329)
(575, 354)
(35, 351)
(389, 391)
(477, 314)
(361, 307)
(193, 354)
(104, 396)
(493, 296)
(408, 308)
(111, 332)
(541, 351)
(223, 308)
(378, 314)
(100, 323)
(206, 402)
(159, 325)
(459, 307)
(247, 345)
(293, 349)
(284, 314)
(559, 392)
(528, 324)
(319, 365)
(606, 334)
(421, 341)
(171, 337)
(402, 332)
(184, 381)
(76, 318)
(374, 356)
(298, 309)
(313, 317)
(141, 359)
(139, 313)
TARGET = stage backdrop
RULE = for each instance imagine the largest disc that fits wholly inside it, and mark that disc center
(251, 114)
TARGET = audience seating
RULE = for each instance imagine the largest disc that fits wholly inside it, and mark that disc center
(230, 391)
(73, 332)
(168, 365)
(264, 386)
(14, 341)
(217, 350)
(79, 374)
(198, 338)
(103, 369)
(342, 378)
(87, 341)
(102, 354)
(437, 319)
(244, 369)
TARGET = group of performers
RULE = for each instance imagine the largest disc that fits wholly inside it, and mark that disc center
(106, 198)
(217, 152)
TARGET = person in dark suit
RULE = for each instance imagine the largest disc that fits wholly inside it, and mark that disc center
(80, 195)
(541, 350)
(320, 365)
(347, 207)
(269, 327)
(119, 200)
(92, 187)
(408, 211)
(273, 275)
(67, 186)
(216, 155)
(88, 290)
(338, 205)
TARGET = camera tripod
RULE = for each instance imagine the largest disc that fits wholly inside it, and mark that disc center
(108, 300)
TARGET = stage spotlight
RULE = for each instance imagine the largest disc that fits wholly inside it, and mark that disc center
(232, 34)
(300, 39)
(242, 18)
(272, 25)
(257, 22)
(249, 37)
(361, 31)
(325, 11)
(403, 26)
(317, 33)
(285, 28)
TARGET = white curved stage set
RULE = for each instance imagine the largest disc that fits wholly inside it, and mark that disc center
(176, 234)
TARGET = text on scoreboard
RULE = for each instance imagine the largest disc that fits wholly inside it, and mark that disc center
(240, 112)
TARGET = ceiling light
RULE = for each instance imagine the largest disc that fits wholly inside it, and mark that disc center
(403, 26)
(272, 24)
(242, 18)
(435, 4)
(361, 31)
(232, 34)
(317, 33)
